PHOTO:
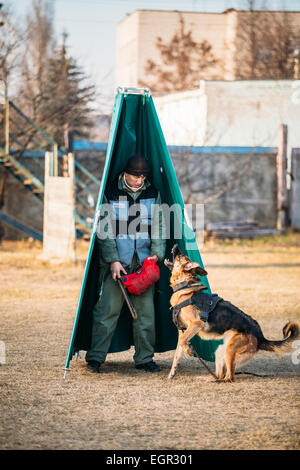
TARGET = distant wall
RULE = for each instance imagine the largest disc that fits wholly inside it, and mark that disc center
(295, 189)
(232, 113)
(234, 183)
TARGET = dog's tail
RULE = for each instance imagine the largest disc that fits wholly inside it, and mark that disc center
(290, 331)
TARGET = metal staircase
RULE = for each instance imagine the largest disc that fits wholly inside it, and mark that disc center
(22, 174)
(14, 158)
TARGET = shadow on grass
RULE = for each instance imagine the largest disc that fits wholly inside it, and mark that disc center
(260, 367)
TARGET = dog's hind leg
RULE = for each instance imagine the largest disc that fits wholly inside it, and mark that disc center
(177, 356)
(240, 347)
(245, 353)
(220, 356)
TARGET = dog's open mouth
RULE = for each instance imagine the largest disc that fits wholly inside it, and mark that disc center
(175, 252)
(168, 264)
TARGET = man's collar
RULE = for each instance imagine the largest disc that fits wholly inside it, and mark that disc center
(121, 184)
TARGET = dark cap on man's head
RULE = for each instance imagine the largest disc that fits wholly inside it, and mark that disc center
(137, 166)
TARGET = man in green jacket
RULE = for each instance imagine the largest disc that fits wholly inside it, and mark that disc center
(131, 230)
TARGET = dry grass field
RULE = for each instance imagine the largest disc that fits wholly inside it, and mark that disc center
(123, 408)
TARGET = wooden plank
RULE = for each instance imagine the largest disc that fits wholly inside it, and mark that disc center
(223, 234)
(282, 193)
(231, 226)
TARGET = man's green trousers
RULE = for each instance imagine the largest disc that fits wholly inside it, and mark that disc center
(105, 317)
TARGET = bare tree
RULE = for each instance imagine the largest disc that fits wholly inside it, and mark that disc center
(10, 44)
(184, 62)
(267, 44)
(39, 41)
(53, 91)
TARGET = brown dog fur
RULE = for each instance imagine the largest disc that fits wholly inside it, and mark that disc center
(238, 347)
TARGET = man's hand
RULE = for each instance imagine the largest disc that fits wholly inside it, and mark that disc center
(153, 257)
(116, 269)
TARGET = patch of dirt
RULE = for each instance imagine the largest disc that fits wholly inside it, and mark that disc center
(123, 408)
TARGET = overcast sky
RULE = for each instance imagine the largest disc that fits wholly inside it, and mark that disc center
(92, 24)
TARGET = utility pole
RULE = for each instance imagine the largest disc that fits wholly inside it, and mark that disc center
(1, 22)
(6, 105)
(6, 123)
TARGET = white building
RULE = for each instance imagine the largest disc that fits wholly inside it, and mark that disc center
(232, 113)
(138, 33)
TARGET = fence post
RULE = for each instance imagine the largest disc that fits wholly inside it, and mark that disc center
(6, 127)
(282, 193)
(55, 160)
(71, 174)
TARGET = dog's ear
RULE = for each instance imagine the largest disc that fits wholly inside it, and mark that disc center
(168, 264)
(196, 267)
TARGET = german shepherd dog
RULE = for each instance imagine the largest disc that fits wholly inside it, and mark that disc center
(241, 334)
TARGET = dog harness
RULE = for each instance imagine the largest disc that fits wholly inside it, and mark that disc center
(204, 302)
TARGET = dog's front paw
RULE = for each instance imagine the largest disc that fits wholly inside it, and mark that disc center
(211, 379)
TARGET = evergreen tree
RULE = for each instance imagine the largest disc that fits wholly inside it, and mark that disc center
(67, 97)
(53, 90)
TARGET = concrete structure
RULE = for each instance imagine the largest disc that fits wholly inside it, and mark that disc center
(234, 184)
(137, 36)
(232, 113)
(59, 231)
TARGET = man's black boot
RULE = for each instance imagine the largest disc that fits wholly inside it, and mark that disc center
(93, 366)
(148, 367)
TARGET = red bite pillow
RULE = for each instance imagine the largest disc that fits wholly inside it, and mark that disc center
(138, 282)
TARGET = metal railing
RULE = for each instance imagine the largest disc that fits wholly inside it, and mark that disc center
(11, 156)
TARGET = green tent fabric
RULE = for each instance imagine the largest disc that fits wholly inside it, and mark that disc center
(135, 128)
